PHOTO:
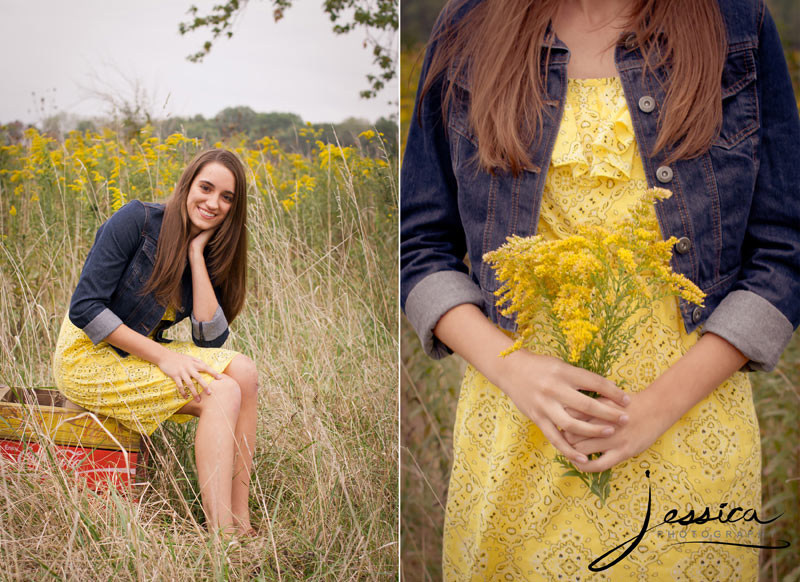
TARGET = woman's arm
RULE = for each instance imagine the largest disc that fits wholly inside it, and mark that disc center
(115, 244)
(762, 310)
(209, 326)
(204, 301)
(654, 410)
(544, 388)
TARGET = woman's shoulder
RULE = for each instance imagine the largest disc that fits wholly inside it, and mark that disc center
(742, 19)
(138, 214)
(452, 13)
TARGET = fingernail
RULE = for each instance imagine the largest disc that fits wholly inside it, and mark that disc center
(608, 430)
(626, 400)
(582, 458)
(624, 418)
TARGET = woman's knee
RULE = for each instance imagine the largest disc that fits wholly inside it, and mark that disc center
(225, 395)
(244, 371)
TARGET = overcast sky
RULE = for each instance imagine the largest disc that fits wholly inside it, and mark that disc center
(65, 51)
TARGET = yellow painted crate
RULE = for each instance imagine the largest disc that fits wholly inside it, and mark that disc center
(91, 446)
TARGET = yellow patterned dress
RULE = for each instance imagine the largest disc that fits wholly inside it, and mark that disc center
(511, 515)
(131, 390)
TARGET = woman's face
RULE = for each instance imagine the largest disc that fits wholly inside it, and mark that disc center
(210, 197)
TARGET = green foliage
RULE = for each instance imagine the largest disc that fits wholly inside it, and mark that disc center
(236, 122)
(411, 62)
(378, 18)
(777, 398)
(428, 396)
(418, 17)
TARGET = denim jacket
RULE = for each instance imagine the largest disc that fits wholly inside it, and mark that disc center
(109, 291)
(735, 209)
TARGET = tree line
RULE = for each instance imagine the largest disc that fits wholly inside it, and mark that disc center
(230, 124)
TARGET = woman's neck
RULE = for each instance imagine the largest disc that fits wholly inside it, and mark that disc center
(590, 29)
(597, 13)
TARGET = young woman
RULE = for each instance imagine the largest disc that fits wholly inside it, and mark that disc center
(151, 266)
(534, 117)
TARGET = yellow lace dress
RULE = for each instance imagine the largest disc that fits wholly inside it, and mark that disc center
(511, 515)
(133, 391)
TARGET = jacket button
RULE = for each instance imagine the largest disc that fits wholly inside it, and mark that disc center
(683, 245)
(664, 174)
(697, 314)
(628, 40)
(647, 104)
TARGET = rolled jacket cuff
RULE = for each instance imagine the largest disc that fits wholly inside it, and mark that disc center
(208, 331)
(754, 326)
(103, 324)
(434, 296)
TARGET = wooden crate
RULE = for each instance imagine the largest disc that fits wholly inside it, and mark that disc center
(36, 429)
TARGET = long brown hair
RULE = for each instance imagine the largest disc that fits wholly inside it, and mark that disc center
(226, 251)
(498, 46)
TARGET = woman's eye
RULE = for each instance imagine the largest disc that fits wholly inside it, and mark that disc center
(205, 187)
(228, 198)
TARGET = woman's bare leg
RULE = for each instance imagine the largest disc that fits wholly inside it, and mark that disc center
(243, 370)
(214, 448)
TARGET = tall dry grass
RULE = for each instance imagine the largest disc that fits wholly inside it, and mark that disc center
(320, 323)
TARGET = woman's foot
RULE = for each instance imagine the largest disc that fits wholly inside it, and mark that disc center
(248, 532)
(243, 527)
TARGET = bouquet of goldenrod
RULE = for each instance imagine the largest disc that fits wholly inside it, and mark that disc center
(593, 288)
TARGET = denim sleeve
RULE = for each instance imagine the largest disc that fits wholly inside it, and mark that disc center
(114, 246)
(762, 310)
(212, 333)
(434, 277)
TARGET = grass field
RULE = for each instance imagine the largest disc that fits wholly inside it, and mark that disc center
(319, 321)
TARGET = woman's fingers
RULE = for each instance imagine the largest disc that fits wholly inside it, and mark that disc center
(209, 370)
(185, 370)
(189, 382)
(601, 463)
(200, 380)
(572, 438)
(581, 428)
(593, 407)
(590, 381)
(179, 384)
(576, 414)
(559, 442)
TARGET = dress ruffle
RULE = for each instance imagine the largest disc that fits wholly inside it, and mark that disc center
(610, 151)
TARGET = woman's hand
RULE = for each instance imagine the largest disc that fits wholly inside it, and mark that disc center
(184, 370)
(652, 412)
(198, 244)
(648, 420)
(547, 390)
(543, 388)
